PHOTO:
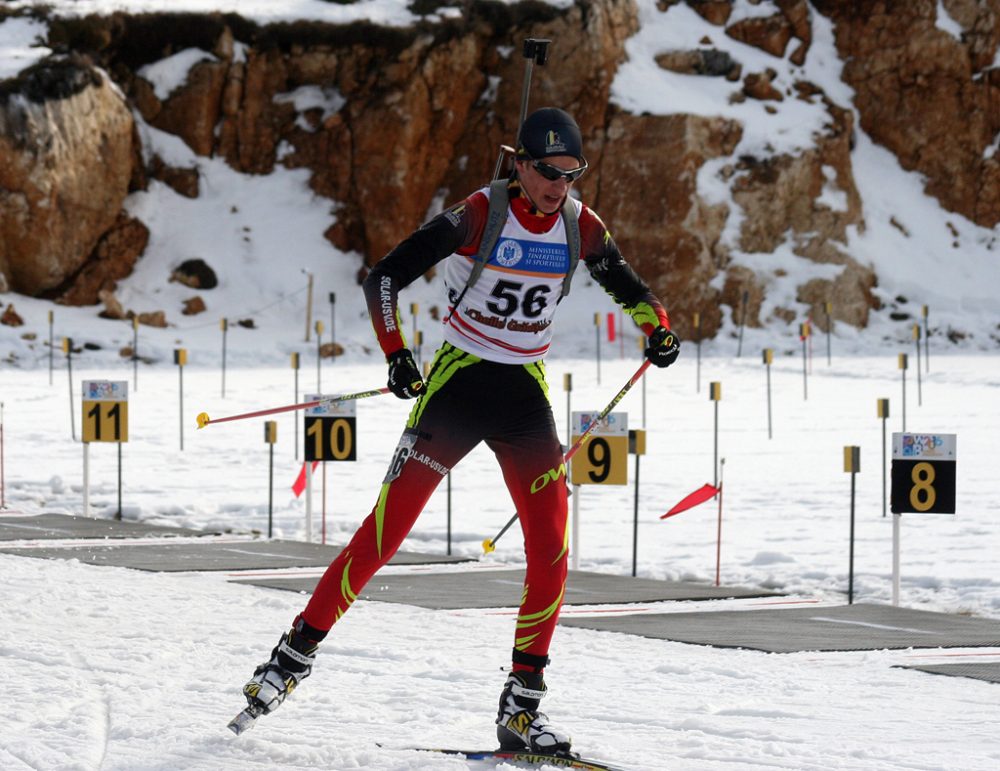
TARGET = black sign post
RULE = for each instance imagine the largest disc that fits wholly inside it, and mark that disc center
(923, 476)
(852, 465)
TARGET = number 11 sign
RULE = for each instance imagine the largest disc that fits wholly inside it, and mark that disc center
(105, 411)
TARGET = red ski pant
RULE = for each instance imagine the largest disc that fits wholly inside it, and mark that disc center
(467, 401)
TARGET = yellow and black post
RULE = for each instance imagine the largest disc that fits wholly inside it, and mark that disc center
(180, 359)
(295, 369)
(319, 356)
(927, 339)
(882, 410)
(270, 436)
(768, 357)
(715, 395)
(224, 326)
(67, 346)
(904, 364)
(852, 465)
(636, 446)
(804, 332)
(916, 342)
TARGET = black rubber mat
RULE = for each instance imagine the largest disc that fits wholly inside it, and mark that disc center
(502, 589)
(988, 671)
(54, 526)
(844, 628)
(210, 553)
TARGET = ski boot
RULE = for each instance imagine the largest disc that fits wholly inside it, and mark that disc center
(290, 663)
(520, 726)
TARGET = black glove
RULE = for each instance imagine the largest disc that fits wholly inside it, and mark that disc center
(664, 347)
(404, 377)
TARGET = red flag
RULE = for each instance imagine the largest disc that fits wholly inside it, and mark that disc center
(700, 495)
(300, 482)
(611, 327)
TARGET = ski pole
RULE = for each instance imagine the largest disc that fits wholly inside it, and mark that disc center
(490, 544)
(204, 420)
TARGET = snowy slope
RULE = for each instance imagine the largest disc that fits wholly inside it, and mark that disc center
(108, 668)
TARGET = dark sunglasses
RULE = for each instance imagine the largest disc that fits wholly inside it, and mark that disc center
(552, 173)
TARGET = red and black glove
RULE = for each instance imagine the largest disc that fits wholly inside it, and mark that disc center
(404, 377)
(664, 347)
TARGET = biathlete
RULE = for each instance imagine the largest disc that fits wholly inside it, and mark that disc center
(486, 384)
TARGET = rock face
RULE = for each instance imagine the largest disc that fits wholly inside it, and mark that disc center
(66, 159)
(932, 99)
(393, 122)
(668, 233)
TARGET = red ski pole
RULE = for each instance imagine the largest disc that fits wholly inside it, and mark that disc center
(204, 420)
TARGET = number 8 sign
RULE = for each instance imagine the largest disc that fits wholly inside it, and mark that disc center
(923, 473)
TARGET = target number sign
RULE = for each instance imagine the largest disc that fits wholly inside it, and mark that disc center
(105, 411)
(923, 473)
(603, 459)
(330, 431)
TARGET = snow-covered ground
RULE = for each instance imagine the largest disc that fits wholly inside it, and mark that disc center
(155, 662)
(116, 669)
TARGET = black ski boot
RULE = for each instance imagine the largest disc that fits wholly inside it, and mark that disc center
(520, 726)
(290, 663)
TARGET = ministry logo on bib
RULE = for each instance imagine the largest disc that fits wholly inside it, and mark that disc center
(509, 253)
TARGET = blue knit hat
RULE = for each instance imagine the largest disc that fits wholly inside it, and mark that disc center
(550, 131)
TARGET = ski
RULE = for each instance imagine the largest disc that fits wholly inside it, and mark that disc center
(571, 760)
(245, 720)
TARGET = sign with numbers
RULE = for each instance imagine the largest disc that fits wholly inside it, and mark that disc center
(603, 459)
(105, 411)
(330, 430)
(923, 473)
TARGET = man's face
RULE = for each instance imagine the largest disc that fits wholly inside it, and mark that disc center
(547, 195)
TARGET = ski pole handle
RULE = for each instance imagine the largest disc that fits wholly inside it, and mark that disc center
(204, 420)
(490, 544)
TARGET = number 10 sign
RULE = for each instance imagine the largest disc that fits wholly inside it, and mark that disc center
(330, 430)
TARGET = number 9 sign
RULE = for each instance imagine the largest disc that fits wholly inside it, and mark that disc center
(923, 473)
(603, 459)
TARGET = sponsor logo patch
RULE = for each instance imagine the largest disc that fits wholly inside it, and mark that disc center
(509, 253)
(554, 143)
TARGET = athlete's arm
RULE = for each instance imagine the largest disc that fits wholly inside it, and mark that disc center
(619, 280)
(457, 228)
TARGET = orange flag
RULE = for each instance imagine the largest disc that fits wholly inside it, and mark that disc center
(300, 482)
(700, 495)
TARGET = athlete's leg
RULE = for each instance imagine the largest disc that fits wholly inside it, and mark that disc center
(437, 436)
(531, 459)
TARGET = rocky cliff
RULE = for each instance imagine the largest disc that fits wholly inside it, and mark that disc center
(391, 120)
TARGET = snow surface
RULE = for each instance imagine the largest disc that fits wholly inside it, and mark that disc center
(117, 669)
(170, 73)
